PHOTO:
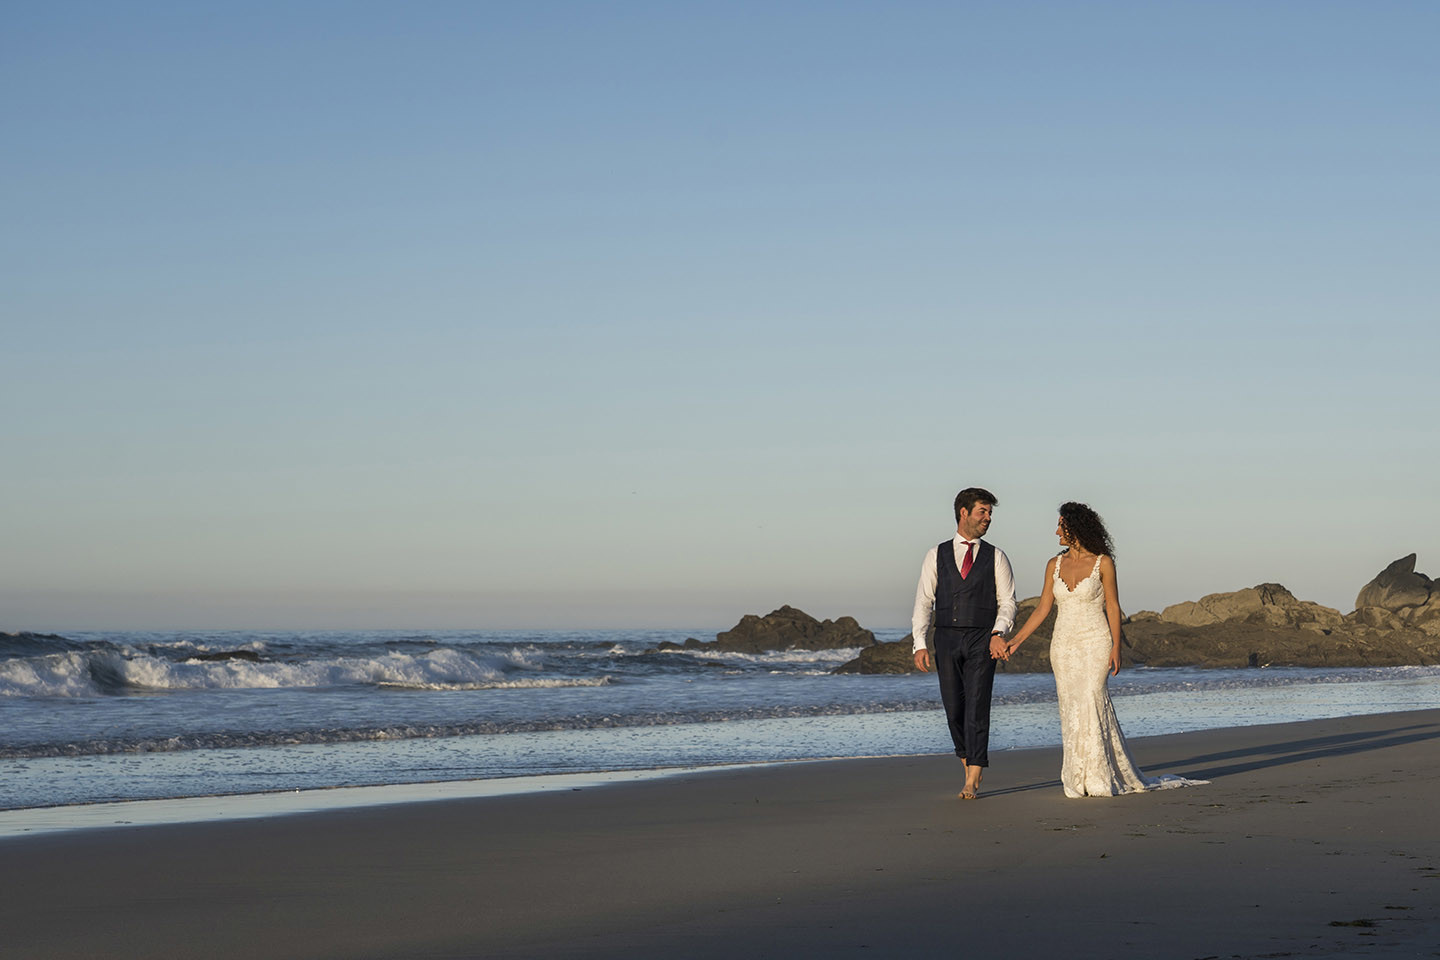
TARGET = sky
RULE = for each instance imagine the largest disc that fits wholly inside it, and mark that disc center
(504, 315)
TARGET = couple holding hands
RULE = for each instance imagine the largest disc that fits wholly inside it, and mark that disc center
(967, 595)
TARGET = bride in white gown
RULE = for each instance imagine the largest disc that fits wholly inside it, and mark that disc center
(1084, 654)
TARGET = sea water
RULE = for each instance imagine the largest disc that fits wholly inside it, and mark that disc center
(121, 716)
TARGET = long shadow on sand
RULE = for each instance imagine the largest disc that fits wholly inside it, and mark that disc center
(1299, 751)
(1272, 754)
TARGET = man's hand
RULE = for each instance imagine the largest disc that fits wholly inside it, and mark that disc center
(922, 660)
(999, 649)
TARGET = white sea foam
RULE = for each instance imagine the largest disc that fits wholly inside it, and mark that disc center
(96, 672)
(834, 655)
(532, 684)
(201, 646)
(54, 675)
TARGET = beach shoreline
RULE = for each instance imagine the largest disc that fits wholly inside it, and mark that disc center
(170, 811)
(1313, 839)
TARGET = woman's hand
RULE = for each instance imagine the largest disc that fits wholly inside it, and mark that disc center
(999, 649)
(1114, 661)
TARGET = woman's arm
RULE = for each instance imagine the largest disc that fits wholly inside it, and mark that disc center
(1047, 600)
(1112, 610)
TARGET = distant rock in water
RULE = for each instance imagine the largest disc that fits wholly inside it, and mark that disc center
(889, 657)
(1396, 622)
(690, 644)
(249, 655)
(791, 629)
(783, 629)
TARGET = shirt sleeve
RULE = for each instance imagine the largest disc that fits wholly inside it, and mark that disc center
(1004, 594)
(924, 612)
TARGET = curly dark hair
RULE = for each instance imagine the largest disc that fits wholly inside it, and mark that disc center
(967, 499)
(1085, 527)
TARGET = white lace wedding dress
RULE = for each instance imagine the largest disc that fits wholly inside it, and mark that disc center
(1096, 763)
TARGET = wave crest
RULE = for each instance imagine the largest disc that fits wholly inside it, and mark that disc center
(111, 670)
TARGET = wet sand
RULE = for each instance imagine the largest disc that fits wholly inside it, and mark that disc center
(1314, 839)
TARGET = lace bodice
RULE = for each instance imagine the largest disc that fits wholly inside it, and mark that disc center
(1083, 608)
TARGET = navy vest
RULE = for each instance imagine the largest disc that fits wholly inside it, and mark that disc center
(969, 602)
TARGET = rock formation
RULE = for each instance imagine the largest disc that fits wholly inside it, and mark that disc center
(889, 657)
(1399, 598)
(783, 629)
(1264, 603)
(1396, 622)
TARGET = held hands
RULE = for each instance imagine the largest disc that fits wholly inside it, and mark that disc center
(999, 649)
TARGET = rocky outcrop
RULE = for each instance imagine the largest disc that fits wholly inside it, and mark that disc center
(895, 656)
(1393, 625)
(1399, 598)
(1396, 587)
(783, 629)
(1267, 603)
(1266, 625)
(791, 629)
(1243, 644)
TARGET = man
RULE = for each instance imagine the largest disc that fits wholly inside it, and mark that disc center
(967, 591)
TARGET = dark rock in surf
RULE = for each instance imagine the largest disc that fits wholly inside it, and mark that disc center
(887, 657)
(690, 644)
(792, 629)
(783, 629)
(248, 655)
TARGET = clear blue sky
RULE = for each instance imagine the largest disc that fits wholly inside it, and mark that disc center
(548, 314)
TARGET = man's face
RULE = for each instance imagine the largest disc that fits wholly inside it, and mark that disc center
(974, 523)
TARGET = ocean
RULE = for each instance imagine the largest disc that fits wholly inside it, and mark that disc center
(102, 716)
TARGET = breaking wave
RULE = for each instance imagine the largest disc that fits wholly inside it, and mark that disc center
(107, 669)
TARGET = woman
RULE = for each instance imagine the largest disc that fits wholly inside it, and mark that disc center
(1084, 653)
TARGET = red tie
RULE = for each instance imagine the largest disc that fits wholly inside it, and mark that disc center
(965, 564)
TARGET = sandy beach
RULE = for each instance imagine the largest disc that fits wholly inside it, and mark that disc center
(1314, 839)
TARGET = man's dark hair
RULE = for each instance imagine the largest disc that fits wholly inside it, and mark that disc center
(967, 498)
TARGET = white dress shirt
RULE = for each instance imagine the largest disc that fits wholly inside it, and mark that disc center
(923, 617)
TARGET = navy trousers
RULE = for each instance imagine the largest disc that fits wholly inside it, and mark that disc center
(967, 675)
